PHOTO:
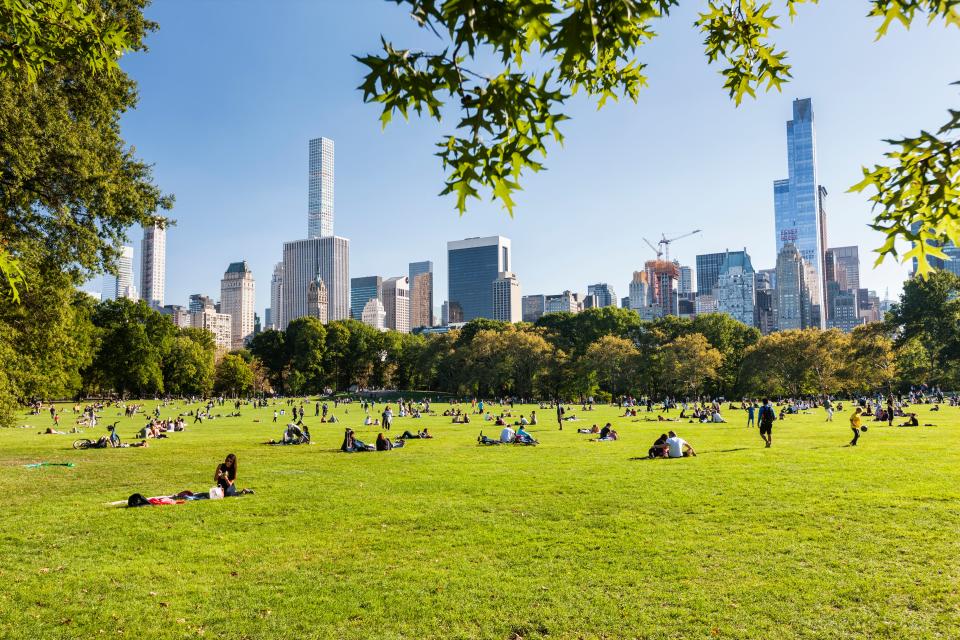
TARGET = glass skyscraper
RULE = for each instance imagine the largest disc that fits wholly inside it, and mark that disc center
(799, 202)
(320, 197)
(362, 291)
(473, 265)
(421, 294)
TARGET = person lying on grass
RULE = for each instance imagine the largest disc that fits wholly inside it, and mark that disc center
(484, 440)
(591, 430)
(225, 477)
(407, 435)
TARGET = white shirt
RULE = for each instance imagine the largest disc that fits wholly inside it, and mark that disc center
(507, 435)
(676, 444)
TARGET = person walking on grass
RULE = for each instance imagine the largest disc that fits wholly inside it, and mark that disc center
(766, 417)
(828, 407)
(560, 415)
(856, 425)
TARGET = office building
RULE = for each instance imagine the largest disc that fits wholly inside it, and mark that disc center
(362, 291)
(153, 264)
(304, 260)
(317, 300)
(506, 298)
(275, 319)
(320, 190)
(445, 314)
(268, 319)
(625, 302)
(799, 204)
(374, 315)
(793, 290)
(603, 295)
(566, 302)
(844, 307)
(120, 285)
(706, 303)
(237, 299)
(179, 315)
(396, 303)
(473, 266)
(685, 283)
(199, 302)
(533, 307)
(842, 265)
(639, 291)
(219, 324)
(708, 270)
(421, 294)
(765, 301)
(735, 288)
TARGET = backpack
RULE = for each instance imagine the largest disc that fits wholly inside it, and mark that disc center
(767, 416)
(137, 500)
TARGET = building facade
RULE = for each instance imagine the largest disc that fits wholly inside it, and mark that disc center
(507, 304)
(178, 314)
(799, 204)
(533, 307)
(566, 302)
(320, 190)
(374, 315)
(765, 306)
(421, 294)
(121, 285)
(275, 319)
(219, 324)
(303, 260)
(639, 291)
(237, 299)
(793, 290)
(685, 283)
(396, 303)
(603, 295)
(708, 270)
(153, 264)
(735, 288)
(362, 291)
(317, 300)
(473, 266)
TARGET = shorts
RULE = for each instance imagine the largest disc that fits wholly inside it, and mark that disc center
(766, 429)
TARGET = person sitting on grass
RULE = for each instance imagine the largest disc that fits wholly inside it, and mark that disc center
(524, 436)
(609, 436)
(911, 421)
(295, 435)
(533, 418)
(382, 443)
(225, 477)
(659, 448)
(607, 428)
(352, 445)
(677, 447)
(507, 435)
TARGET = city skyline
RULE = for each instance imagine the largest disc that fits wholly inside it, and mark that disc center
(388, 181)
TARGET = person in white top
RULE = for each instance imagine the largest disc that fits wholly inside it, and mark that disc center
(507, 435)
(677, 447)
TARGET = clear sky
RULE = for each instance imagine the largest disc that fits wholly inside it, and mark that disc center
(230, 93)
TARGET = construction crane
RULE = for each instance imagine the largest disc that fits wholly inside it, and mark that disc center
(655, 249)
(665, 243)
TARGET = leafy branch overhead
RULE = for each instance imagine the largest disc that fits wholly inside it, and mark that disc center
(503, 69)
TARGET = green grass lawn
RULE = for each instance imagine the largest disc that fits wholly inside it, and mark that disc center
(446, 539)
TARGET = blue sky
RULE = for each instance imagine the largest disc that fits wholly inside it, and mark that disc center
(230, 92)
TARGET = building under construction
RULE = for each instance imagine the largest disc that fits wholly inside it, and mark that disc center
(662, 276)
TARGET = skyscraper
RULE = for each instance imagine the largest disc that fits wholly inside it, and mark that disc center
(275, 319)
(639, 291)
(735, 288)
(506, 298)
(317, 300)
(846, 264)
(320, 197)
(603, 294)
(121, 285)
(374, 315)
(765, 307)
(153, 264)
(237, 299)
(396, 303)
(362, 291)
(473, 264)
(799, 203)
(303, 260)
(793, 289)
(685, 284)
(421, 294)
(708, 270)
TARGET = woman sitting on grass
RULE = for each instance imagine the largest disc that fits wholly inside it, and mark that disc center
(226, 477)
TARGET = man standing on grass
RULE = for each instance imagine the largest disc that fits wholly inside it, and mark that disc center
(828, 407)
(560, 415)
(766, 418)
(751, 410)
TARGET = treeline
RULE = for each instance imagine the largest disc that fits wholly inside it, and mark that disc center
(77, 347)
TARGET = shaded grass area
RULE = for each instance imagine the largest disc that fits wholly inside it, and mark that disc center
(446, 539)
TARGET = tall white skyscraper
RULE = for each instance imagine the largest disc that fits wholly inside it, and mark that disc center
(153, 264)
(237, 297)
(303, 261)
(320, 203)
(396, 302)
(276, 298)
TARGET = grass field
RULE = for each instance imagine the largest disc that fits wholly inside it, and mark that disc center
(446, 539)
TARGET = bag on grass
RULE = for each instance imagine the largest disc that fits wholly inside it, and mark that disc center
(216, 493)
(137, 500)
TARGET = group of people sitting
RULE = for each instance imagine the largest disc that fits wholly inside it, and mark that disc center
(294, 434)
(510, 436)
(352, 444)
(160, 428)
